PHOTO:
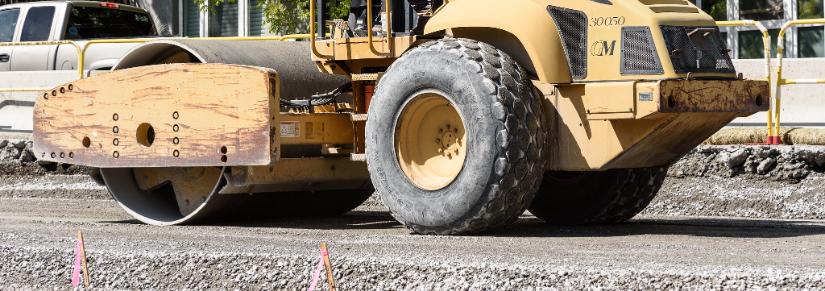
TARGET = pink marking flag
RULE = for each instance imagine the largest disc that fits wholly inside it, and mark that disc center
(77, 267)
(316, 274)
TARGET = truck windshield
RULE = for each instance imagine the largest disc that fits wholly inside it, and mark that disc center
(100, 22)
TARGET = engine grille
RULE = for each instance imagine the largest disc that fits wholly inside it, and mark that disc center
(697, 49)
(572, 25)
(639, 55)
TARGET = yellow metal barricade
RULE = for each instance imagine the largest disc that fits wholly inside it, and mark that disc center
(766, 41)
(780, 80)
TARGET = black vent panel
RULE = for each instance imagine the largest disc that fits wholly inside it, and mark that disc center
(697, 49)
(639, 55)
(572, 25)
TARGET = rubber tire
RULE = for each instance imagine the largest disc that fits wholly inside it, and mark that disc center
(612, 196)
(504, 161)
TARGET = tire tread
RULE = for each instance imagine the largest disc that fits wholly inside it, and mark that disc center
(515, 108)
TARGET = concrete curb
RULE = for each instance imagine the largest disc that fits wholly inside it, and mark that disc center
(750, 135)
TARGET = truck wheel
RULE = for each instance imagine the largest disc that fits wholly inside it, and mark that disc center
(454, 138)
(611, 196)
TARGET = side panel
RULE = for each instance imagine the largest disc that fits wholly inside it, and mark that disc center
(527, 20)
(624, 39)
(630, 124)
(605, 40)
(180, 115)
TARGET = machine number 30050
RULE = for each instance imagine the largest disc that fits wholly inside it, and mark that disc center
(607, 21)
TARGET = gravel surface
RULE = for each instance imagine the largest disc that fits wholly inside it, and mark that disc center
(371, 252)
(788, 163)
(686, 238)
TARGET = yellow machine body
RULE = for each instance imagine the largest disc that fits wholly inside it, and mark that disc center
(618, 92)
(605, 118)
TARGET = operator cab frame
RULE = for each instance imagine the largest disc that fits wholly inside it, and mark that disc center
(365, 35)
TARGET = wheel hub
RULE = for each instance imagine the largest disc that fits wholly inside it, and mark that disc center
(449, 141)
(430, 141)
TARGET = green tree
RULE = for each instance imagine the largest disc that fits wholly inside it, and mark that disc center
(718, 9)
(286, 16)
(810, 9)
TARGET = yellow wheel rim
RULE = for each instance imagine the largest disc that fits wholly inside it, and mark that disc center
(430, 141)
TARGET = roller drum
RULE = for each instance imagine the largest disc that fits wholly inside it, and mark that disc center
(170, 198)
(300, 77)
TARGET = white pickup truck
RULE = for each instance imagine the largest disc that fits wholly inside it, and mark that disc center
(37, 66)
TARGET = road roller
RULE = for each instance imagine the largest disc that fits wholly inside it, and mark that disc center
(460, 115)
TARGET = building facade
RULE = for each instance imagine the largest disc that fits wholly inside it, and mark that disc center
(746, 42)
(245, 18)
(185, 18)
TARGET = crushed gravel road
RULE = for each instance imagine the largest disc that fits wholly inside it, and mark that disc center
(717, 224)
(372, 252)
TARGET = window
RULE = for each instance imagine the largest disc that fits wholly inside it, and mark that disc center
(38, 24)
(718, 9)
(810, 42)
(257, 23)
(223, 20)
(94, 22)
(191, 19)
(807, 9)
(751, 46)
(809, 39)
(761, 9)
(8, 23)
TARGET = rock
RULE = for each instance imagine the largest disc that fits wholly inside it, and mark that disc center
(820, 160)
(799, 174)
(3, 143)
(26, 156)
(766, 166)
(737, 158)
(21, 145)
(8, 154)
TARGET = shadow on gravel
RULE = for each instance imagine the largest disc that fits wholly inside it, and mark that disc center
(693, 226)
(529, 226)
(353, 220)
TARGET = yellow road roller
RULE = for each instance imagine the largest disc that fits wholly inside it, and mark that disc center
(460, 114)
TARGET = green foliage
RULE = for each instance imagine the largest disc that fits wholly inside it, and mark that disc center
(810, 9)
(286, 16)
(718, 9)
(751, 45)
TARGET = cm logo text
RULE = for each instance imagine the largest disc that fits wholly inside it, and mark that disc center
(603, 48)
